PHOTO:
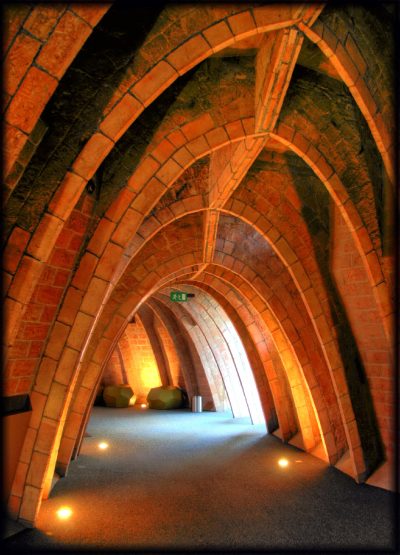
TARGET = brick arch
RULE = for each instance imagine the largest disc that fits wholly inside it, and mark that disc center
(236, 282)
(292, 354)
(94, 292)
(51, 408)
(227, 291)
(213, 349)
(86, 321)
(149, 172)
(223, 309)
(308, 427)
(289, 259)
(121, 222)
(217, 35)
(30, 252)
(83, 395)
(105, 345)
(141, 91)
(54, 405)
(155, 176)
(189, 269)
(164, 283)
(73, 431)
(74, 182)
(316, 161)
(269, 375)
(80, 408)
(334, 358)
(211, 30)
(189, 369)
(207, 312)
(304, 284)
(346, 58)
(115, 251)
(326, 338)
(246, 21)
(49, 224)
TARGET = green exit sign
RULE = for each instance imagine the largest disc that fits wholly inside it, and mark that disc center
(178, 296)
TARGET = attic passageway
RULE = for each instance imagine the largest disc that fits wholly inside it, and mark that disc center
(200, 197)
(193, 345)
(176, 479)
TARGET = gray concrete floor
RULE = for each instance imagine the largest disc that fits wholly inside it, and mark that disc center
(175, 480)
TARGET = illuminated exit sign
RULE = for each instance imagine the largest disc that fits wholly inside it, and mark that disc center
(180, 296)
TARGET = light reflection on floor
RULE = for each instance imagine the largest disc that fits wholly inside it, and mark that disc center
(201, 480)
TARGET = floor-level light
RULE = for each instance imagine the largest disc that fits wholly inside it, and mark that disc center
(64, 513)
(103, 445)
(283, 463)
(143, 406)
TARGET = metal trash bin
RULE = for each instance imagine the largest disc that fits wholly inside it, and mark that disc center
(197, 403)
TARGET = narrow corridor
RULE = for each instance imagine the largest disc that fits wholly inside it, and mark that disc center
(179, 480)
(200, 196)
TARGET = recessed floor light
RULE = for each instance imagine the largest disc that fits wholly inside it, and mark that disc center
(283, 463)
(103, 445)
(64, 513)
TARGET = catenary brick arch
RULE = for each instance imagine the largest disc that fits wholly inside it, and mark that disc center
(64, 371)
(93, 312)
(52, 224)
(71, 439)
(49, 39)
(249, 22)
(144, 90)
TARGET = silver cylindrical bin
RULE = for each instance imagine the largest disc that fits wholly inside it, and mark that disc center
(197, 403)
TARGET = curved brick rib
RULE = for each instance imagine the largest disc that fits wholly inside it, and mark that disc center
(214, 346)
(154, 82)
(252, 349)
(307, 432)
(69, 191)
(350, 65)
(324, 171)
(276, 59)
(305, 411)
(109, 271)
(37, 58)
(56, 394)
(211, 218)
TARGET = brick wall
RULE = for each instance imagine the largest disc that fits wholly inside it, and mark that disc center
(366, 324)
(36, 335)
(139, 360)
(170, 352)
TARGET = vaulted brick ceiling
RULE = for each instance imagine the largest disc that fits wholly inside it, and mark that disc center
(231, 147)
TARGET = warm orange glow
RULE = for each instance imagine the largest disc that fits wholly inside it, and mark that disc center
(103, 445)
(64, 513)
(150, 376)
(143, 405)
(283, 463)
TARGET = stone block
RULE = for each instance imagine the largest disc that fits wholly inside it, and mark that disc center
(165, 397)
(119, 396)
